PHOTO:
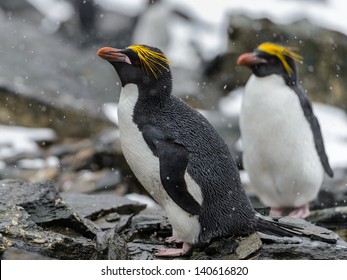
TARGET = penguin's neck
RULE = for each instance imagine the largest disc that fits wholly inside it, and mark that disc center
(137, 104)
(154, 94)
(289, 79)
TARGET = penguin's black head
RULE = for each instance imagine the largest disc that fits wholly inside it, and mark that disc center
(270, 59)
(139, 64)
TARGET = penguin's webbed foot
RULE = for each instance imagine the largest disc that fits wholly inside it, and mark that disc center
(171, 252)
(173, 239)
(276, 212)
(301, 212)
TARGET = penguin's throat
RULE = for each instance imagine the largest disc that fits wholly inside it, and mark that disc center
(156, 94)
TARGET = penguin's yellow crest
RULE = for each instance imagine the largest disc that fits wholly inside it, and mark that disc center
(281, 52)
(150, 60)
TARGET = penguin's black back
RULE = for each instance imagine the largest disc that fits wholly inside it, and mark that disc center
(226, 209)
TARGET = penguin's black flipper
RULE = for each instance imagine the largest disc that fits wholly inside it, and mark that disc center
(173, 160)
(315, 127)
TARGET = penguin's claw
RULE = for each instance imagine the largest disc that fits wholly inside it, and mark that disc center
(301, 212)
(170, 252)
(173, 239)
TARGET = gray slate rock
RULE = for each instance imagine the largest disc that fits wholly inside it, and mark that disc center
(306, 250)
(330, 216)
(94, 206)
(231, 249)
(112, 245)
(43, 203)
(72, 229)
(20, 231)
(34, 218)
(311, 230)
(13, 253)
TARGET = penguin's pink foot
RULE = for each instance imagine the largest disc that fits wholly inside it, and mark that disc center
(276, 212)
(170, 252)
(173, 239)
(301, 212)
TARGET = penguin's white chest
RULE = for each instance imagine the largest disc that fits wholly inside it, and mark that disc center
(279, 150)
(136, 151)
(146, 168)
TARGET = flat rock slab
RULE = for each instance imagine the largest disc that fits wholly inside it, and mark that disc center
(18, 230)
(34, 218)
(311, 230)
(306, 250)
(231, 249)
(43, 203)
(93, 206)
(330, 217)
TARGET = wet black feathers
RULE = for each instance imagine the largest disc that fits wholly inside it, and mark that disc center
(226, 209)
(173, 160)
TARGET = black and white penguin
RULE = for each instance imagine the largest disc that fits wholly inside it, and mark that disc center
(283, 148)
(178, 156)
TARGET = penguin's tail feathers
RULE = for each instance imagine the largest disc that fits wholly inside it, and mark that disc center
(270, 226)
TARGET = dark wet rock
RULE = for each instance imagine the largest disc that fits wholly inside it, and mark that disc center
(140, 249)
(266, 238)
(330, 217)
(315, 243)
(311, 230)
(13, 253)
(44, 204)
(146, 233)
(306, 250)
(231, 249)
(122, 223)
(150, 223)
(20, 231)
(331, 198)
(33, 217)
(112, 245)
(105, 226)
(94, 206)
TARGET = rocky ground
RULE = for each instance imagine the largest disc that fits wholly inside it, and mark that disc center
(39, 222)
(66, 191)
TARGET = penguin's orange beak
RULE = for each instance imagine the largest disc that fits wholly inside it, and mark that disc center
(111, 54)
(248, 59)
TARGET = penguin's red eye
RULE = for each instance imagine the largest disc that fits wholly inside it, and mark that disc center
(137, 62)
